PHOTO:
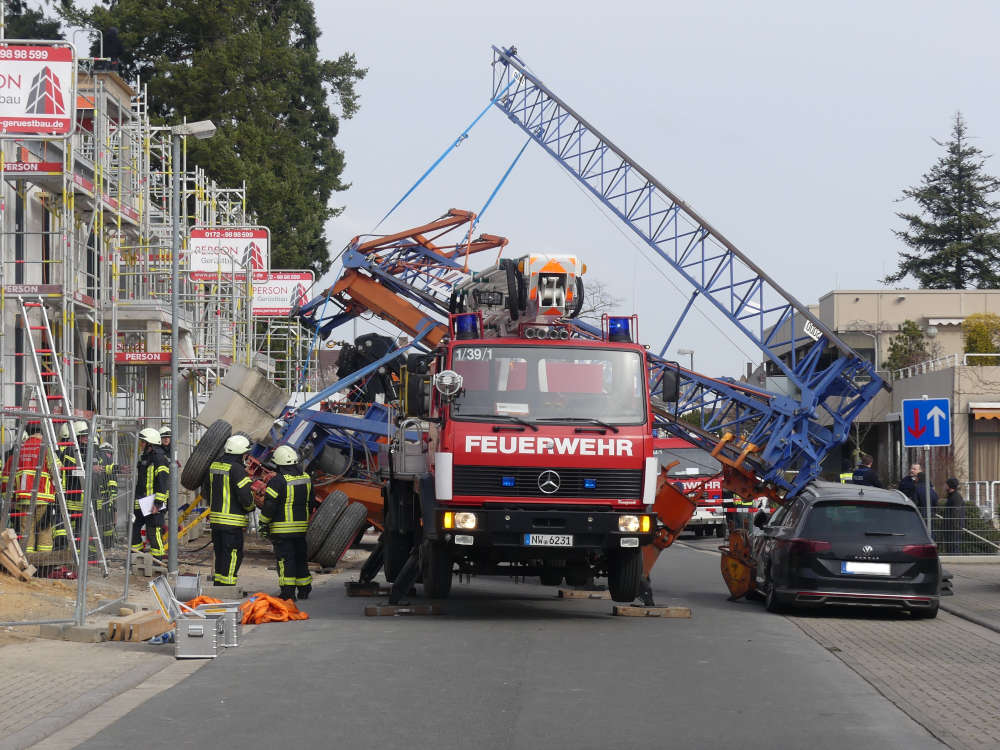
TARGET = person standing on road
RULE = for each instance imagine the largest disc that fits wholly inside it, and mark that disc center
(908, 484)
(71, 484)
(152, 479)
(955, 516)
(227, 490)
(34, 495)
(865, 474)
(284, 516)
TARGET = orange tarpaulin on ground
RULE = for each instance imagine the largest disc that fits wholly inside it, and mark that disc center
(260, 608)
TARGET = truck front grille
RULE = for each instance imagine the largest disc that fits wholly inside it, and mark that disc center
(522, 481)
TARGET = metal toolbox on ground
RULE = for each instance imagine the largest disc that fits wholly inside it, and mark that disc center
(228, 613)
(198, 638)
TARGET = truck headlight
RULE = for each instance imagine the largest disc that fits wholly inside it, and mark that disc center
(465, 520)
(628, 523)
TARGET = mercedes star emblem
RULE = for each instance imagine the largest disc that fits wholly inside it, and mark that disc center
(548, 482)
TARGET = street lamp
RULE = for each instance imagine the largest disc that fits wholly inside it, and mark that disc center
(201, 130)
(690, 353)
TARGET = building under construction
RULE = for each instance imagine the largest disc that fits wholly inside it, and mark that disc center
(85, 229)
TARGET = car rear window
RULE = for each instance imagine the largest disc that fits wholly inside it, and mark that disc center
(836, 521)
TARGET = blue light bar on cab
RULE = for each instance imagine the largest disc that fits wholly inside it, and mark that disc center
(590, 484)
(618, 329)
(467, 326)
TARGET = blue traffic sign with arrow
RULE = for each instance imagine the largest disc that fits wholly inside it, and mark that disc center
(926, 422)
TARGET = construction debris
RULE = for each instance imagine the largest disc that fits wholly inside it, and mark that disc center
(626, 610)
(12, 557)
(140, 626)
(582, 594)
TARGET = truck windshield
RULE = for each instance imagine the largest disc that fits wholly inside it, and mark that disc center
(550, 383)
(692, 462)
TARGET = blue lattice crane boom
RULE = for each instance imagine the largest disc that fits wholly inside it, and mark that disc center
(832, 382)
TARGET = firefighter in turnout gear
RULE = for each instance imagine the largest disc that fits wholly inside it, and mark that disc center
(71, 483)
(34, 495)
(106, 491)
(227, 490)
(284, 516)
(152, 479)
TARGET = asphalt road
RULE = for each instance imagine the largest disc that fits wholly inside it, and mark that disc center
(511, 666)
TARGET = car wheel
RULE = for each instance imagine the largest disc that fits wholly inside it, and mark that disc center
(772, 603)
(204, 454)
(437, 567)
(925, 614)
(624, 575)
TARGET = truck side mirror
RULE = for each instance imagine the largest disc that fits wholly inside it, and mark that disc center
(670, 383)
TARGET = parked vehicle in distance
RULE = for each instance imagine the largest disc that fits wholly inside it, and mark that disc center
(846, 544)
(695, 469)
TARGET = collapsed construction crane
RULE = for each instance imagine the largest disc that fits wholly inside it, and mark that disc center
(769, 443)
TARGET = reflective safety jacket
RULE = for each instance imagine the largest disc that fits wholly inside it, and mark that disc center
(107, 489)
(226, 489)
(152, 475)
(287, 500)
(846, 477)
(28, 464)
(72, 486)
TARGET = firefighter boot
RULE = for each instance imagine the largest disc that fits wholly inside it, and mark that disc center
(288, 592)
(304, 591)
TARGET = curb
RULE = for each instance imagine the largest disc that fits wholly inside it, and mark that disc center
(966, 615)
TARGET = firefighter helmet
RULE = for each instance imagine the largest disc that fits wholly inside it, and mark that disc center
(237, 445)
(285, 455)
(150, 436)
(64, 431)
(165, 431)
(81, 428)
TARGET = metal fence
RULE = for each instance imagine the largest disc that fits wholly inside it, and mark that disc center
(78, 540)
(964, 530)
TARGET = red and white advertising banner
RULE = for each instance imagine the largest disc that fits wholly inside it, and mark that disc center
(142, 358)
(36, 89)
(228, 251)
(18, 170)
(277, 293)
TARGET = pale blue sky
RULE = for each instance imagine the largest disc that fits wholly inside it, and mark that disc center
(791, 126)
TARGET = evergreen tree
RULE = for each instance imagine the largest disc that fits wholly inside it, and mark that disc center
(253, 68)
(954, 238)
(908, 347)
(24, 22)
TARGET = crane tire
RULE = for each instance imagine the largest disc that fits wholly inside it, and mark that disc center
(343, 534)
(204, 453)
(323, 521)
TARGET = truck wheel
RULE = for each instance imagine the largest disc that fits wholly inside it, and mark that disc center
(720, 531)
(397, 546)
(624, 574)
(342, 534)
(437, 565)
(204, 453)
(321, 524)
(551, 576)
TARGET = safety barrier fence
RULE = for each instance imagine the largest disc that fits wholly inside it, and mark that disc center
(78, 540)
(963, 530)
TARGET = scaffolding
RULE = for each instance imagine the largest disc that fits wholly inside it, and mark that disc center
(85, 224)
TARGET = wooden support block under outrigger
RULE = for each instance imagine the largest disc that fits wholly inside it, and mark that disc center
(392, 610)
(627, 610)
(372, 588)
(582, 594)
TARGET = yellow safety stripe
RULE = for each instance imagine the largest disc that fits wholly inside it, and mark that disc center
(228, 519)
(272, 492)
(289, 527)
(304, 581)
(244, 482)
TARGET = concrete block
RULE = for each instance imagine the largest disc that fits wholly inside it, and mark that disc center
(55, 632)
(86, 634)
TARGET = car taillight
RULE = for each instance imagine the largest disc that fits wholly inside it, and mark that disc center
(921, 550)
(807, 546)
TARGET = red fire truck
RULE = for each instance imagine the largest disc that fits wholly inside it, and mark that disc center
(694, 470)
(539, 441)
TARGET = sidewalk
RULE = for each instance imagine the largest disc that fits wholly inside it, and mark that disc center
(60, 682)
(977, 593)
